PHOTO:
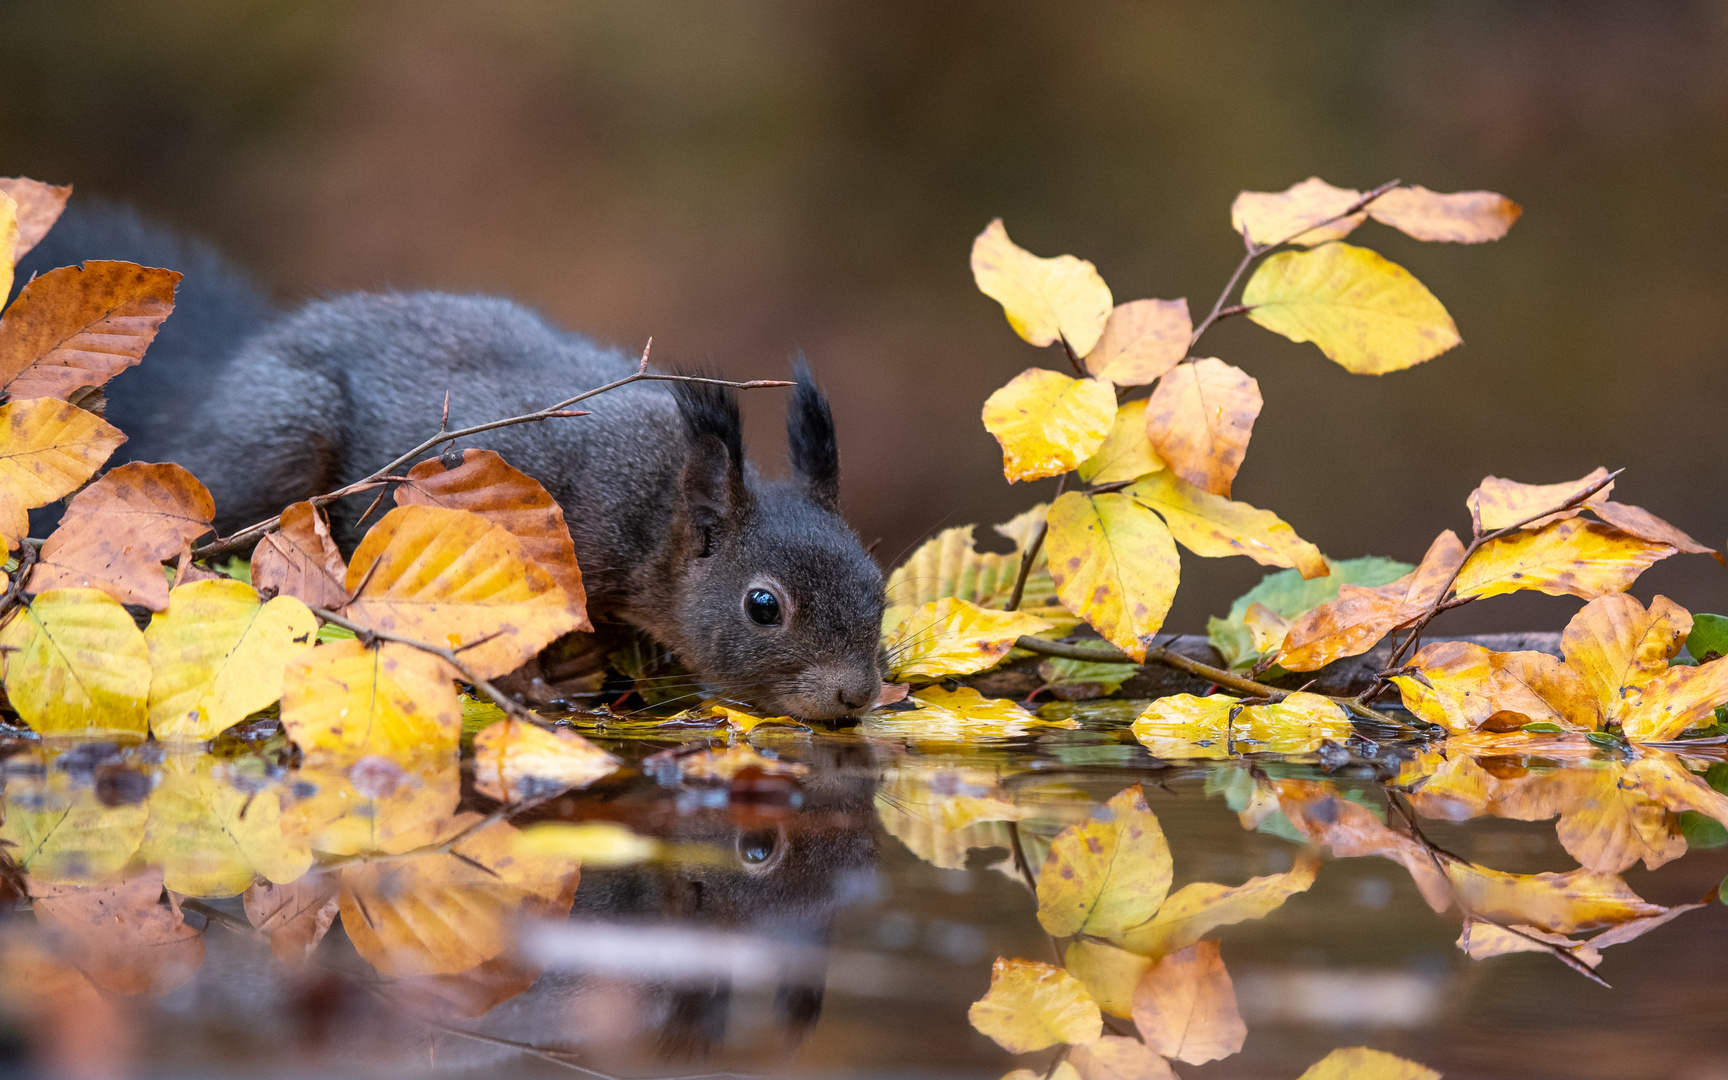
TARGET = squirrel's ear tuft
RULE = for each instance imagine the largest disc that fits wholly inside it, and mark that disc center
(712, 483)
(810, 431)
(711, 409)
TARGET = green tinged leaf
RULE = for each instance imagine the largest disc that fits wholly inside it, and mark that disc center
(1288, 595)
(1709, 637)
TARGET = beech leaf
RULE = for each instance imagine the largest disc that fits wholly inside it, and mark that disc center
(77, 663)
(81, 326)
(1185, 1006)
(1573, 557)
(1127, 452)
(1200, 419)
(1497, 503)
(1142, 340)
(47, 449)
(1107, 874)
(1294, 214)
(1215, 527)
(516, 760)
(954, 637)
(1048, 423)
(1461, 217)
(301, 559)
(1114, 564)
(1031, 1006)
(39, 207)
(346, 701)
(1361, 1063)
(1044, 299)
(117, 532)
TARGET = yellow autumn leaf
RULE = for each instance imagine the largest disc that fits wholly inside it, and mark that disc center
(590, 843)
(1361, 1063)
(953, 637)
(1183, 725)
(1459, 217)
(1195, 910)
(1047, 422)
(1480, 940)
(1497, 503)
(1215, 527)
(1679, 698)
(942, 813)
(217, 654)
(1031, 1006)
(211, 837)
(1185, 1006)
(960, 716)
(76, 663)
(8, 241)
(1571, 557)
(374, 805)
(1461, 685)
(1142, 340)
(949, 565)
(1114, 564)
(1044, 299)
(1110, 974)
(453, 579)
(1295, 214)
(1366, 313)
(1107, 874)
(1266, 628)
(48, 448)
(1614, 645)
(62, 832)
(346, 700)
(516, 760)
(1127, 452)
(1199, 421)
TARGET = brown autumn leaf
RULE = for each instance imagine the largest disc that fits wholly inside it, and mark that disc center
(1294, 214)
(47, 449)
(81, 326)
(1142, 340)
(487, 485)
(1567, 558)
(120, 934)
(1639, 522)
(301, 559)
(295, 916)
(1360, 617)
(1497, 503)
(1185, 1006)
(453, 579)
(1459, 217)
(39, 207)
(1116, 1057)
(118, 531)
(1461, 686)
(467, 994)
(1200, 419)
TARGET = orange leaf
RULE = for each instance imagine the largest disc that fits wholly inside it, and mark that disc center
(1360, 617)
(81, 326)
(39, 207)
(1461, 685)
(1568, 558)
(120, 934)
(1615, 646)
(1142, 340)
(516, 760)
(1679, 698)
(1497, 503)
(1639, 522)
(1461, 217)
(1200, 419)
(1292, 215)
(485, 484)
(118, 531)
(1185, 1007)
(47, 449)
(301, 559)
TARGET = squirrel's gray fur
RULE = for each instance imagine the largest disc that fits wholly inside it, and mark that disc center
(672, 528)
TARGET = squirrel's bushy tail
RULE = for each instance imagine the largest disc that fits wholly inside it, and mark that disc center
(216, 307)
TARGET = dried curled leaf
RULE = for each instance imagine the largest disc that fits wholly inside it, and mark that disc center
(39, 207)
(1215, 527)
(1366, 313)
(1106, 874)
(1142, 340)
(1461, 686)
(347, 701)
(217, 655)
(485, 484)
(1200, 419)
(294, 916)
(1567, 558)
(1295, 214)
(1047, 422)
(76, 663)
(453, 579)
(954, 637)
(1459, 217)
(301, 559)
(1127, 452)
(514, 760)
(47, 449)
(1639, 522)
(1044, 299)
(1114, 564)
(118, 531)
(81, 326)
(1185, 1006)
(1031, 1006)
(1497, 503)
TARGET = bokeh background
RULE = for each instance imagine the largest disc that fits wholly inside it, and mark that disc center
(743, 179)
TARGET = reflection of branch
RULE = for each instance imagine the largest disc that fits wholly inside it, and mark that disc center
(561, 409)
(1478, 540)
(1157, 654)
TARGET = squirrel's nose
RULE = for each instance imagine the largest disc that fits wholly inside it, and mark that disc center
(856, 699)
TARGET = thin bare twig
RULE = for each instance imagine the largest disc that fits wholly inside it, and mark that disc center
(14, 597)
(1032, 547)
(561, 409)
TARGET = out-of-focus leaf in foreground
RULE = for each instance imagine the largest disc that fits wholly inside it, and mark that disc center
(120, 935)
(1361, 1063)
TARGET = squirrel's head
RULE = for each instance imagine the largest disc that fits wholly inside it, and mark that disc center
(778, 604)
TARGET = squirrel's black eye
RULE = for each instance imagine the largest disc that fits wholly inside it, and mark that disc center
(762, 606)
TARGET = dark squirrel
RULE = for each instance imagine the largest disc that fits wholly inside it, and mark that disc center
(759, 587)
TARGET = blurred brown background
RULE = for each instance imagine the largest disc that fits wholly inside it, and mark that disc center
(747, 178)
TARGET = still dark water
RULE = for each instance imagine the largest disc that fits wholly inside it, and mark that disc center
(831, 908)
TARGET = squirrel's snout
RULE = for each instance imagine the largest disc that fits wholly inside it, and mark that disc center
(833, 693)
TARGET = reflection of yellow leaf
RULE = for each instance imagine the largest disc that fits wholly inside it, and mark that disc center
(1185, 1006)
(940, 814)
(1497, 503)
(1115, 564)
(954, 637)
(1458, 217)
(347, 701)
(591, 843)
(1110, 974)
(1044, 299)
(374, 806)
(210, 837)
(1361, 1063)
(217, 654)
(728, 763)
(1195, 910)
(1573, 557)
(1047, 422)
(1481, 940)
(1142, 340)
(76, 662)
(1294, 214)
(1368, 314)
(515, 760)
(63, 834)
(1126, 453)
(1031, 1006)
(1117, 1057)
(1200, 419)
(957, 716)
(1215, 527)
(1107, 874)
